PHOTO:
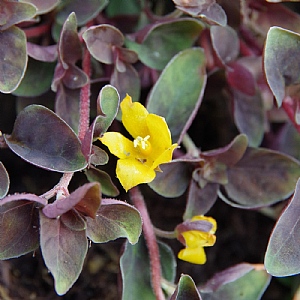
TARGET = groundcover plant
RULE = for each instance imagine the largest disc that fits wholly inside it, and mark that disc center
(161, 122)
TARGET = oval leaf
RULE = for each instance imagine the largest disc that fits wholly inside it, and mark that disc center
(282, 255)
(84, 13)
(40, 137)
(63, 250)
(281, 63)
(19, 228)
(241, 282)
(164, 40)
(14, 12)
(14, 58)
(135, 260)
(114, 219)
(186, 289)
(262, 177)
(101, 40)
(43, 6)
(185, 96)
(37, 79)
(4, 181)
(86, 199)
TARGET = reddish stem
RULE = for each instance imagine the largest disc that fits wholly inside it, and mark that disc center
(151, 242)
(85, 97)
(288, 106)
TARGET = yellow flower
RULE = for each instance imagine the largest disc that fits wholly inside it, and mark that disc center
(152, 144)
(195, 240)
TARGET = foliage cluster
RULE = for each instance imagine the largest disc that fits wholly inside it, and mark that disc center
(68, 65)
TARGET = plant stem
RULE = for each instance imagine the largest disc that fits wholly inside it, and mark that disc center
(138, 200)
(85, 97)
(190, 146)
(164, 234)
(287, 105)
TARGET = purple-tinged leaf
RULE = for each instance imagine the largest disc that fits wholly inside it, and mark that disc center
(127, 55)
(241, 282)
(173, 180)
(84, 13)
(225, 42)
(40, 137)
(14, 58)
(22, 197)
(164, 40)
(14, 12)
(281, 63)
(114, 219)
(107, 186)
(210, 11)
(185, 96)
(231, 153)
(67, 106)
(186, 289)
(200, 200)
(262, 177)
(43, 6)
(249, 116)
(101, 41)
(37, 79)
(19, 228)
(86, 199)
(241, 79)
(4, 181)
(63, 250)
(42, 53)
(127, 82)
(135, 260)
(73, 220)
(98, 156)
(69, 44)
(74, 77)
(282, 255)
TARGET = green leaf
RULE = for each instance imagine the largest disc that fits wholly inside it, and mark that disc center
(186, 289)
(107, 107)
(14, 58)
(262, 177)
(19, 228)
(117, 7)
(40, 137)
(166, 39)
(107, 186)
(37, 79)
(241, 282)
(63, 250)
(14, 12)
(282, 255)
(178, 103)
(84, 13)
(4, 181)
(135, 260)
(281, 60)
(114, 219)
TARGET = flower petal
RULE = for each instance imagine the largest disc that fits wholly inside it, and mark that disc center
(132, 172)
(134, 116)
(160, 136)
(195, 239)
(118, 145)
(193, 255)
(165, 156)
